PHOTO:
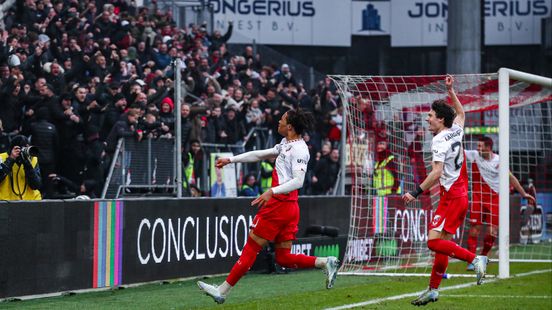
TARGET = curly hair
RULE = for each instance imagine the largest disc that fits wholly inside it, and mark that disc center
(301, 120)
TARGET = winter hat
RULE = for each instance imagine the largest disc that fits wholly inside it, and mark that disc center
(43, 38)
(168, 101)
(18, 140)
(13, 60)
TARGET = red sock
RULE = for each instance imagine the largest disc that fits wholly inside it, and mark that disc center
(451, 249)
(472, 243)
(439, 267)
(284, 258)
(247, 258)
(488, 244)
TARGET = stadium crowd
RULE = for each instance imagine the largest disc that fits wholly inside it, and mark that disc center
(77, 75)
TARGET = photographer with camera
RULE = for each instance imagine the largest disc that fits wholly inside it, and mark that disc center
(19, 171)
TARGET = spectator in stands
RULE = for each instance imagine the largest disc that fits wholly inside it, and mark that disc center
(166, 117)
(325, 173)
(217, 39)
(385, 180)
(123, 128)
(285, 76)
(70, 128)
(192, 163)
(415, 153)
(19, 172)
(235, 130)
(335, 121)
(249, 187)
(186, 124)
(45, 136)
(254, 116)
(10, 106)
(216, 126)
(95, 162)
(4, 139)
(267, 167)
(67, 188)
(113, 113)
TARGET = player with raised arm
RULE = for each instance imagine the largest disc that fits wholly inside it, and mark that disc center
(447, 166)
(278, 214)
(484, 208)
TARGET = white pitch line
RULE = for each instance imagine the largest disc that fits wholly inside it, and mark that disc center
(454, 287)
(499, 296)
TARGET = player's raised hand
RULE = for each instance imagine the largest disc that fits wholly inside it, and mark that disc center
(408, 198)
(263, 199)
(449, 81)
(532, 201)
(221, 162)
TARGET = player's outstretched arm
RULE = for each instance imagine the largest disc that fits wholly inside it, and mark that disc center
(460, 115)
(432, 177)
(514, 181)
(248, 157)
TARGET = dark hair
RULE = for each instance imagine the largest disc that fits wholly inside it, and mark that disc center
(300, 120)
(444, 111)
(487, 141)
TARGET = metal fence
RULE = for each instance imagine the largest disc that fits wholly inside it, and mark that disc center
(141, 167)
(148, 167)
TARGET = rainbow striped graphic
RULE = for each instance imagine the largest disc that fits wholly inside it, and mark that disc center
(379, 219)
(108, 243)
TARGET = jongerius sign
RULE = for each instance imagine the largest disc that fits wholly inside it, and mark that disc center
(293, 22)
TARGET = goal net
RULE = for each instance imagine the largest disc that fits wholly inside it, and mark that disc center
(388, 145)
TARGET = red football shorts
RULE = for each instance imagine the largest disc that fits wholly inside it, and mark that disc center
(450, 214)
(277, 221)
(484, 209)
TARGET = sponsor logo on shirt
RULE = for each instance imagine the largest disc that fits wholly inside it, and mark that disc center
(452, 135)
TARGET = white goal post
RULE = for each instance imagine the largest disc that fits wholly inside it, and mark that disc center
(388, 238)
(504, 76)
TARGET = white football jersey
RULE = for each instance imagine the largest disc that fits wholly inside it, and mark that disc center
(292, 156)
(487, 168)
(447, 148)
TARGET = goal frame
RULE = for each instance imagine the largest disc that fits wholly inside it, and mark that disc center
(504, 76)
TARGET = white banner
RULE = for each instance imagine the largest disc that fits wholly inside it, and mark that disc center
(515, 22)
(286, 22)
(507, 22)
(424, 22)
(419, 23)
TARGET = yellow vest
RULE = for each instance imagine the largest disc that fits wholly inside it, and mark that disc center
(266, 183)
(189, 171)
(20, 189)
(383, 178)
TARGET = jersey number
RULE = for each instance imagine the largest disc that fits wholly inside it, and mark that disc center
(457, 161)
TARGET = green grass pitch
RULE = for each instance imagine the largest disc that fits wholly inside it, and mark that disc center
(305, 290)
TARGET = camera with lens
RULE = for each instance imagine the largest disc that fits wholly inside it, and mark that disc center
(29, 151)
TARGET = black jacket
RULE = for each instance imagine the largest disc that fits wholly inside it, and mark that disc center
(45, 137)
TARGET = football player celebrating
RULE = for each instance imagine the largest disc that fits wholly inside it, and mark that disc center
(449, 167)
(278, 216)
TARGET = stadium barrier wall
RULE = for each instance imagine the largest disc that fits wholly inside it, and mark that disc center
(59, 246)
